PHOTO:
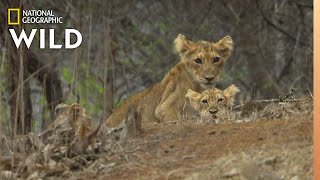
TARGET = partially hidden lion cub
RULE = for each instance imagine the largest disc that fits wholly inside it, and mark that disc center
(211, 101)
(199, 68)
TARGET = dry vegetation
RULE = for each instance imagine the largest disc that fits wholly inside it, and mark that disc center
(272, 143)
(127, 46)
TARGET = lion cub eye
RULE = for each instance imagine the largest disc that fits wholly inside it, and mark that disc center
(204, 101)
(198, 61)
(216, 59)
(220, 100)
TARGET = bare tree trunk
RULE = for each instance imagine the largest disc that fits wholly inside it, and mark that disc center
(49, 80)
(109, 71)
(22, 65)
(20, 101)
(108, 96)
(19, 89)
(259, 75)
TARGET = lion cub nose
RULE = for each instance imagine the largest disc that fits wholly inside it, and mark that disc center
(213, 112)
(209, 78)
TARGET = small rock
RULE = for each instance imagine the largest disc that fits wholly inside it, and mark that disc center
(212, 132)
(233, 172)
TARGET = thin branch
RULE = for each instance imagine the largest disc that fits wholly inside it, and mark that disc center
(25, 81)
(269, 22)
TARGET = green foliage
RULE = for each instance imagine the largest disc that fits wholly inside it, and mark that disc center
(41, 102)
(46, 112)
(119, 103)
(88, 88)
(3, 89)
(67, 75)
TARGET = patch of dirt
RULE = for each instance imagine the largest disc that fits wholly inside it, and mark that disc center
(274, 143)
(181, 151)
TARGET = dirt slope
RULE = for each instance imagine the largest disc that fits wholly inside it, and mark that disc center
(179, 151)
(272, 143)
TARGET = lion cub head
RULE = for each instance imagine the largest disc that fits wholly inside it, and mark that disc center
(204, 60)
(211, 101)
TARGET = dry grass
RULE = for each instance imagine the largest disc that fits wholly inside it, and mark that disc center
(272, 143)
(267, 162)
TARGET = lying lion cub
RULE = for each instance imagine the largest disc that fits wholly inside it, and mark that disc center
(211, 101)
(199, 68)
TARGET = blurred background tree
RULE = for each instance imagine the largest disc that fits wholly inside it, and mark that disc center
(127, 46)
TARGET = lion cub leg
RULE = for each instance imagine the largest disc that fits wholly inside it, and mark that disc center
(132, 122)
(169, 109)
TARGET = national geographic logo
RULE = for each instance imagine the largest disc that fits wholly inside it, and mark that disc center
(40, 17)
(13, 12)
(32, 17)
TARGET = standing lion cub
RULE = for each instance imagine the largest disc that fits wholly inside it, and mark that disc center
(199, 68)
(211, 101)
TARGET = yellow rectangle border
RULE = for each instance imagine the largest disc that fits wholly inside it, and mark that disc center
(9, 19)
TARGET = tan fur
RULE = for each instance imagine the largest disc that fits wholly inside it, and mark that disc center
(164, 101)
(210, 101)
(75, 117)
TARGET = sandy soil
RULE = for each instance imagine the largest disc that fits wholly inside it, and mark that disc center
(193, 150)
(275, 143)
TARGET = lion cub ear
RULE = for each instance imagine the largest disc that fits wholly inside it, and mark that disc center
(182, 45)
(224, 46)
(230, 94)
(192, 95)
(194, 98)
